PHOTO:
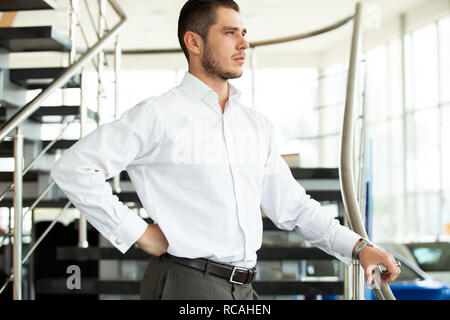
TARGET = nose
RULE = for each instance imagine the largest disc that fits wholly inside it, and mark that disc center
(243, 44)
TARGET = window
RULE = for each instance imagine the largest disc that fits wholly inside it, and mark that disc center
(420, 208)
(287, 97)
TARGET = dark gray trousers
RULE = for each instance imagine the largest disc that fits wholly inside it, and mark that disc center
(166, 280)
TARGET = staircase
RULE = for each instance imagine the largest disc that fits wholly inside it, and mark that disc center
(286, 265)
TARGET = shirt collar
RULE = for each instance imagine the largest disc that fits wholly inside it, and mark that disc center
(197, 89)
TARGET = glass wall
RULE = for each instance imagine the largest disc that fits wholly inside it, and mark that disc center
(410, 151)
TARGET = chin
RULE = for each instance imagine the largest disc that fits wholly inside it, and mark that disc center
(235, 74)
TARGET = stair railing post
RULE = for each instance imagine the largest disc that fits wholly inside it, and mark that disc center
(117, 60)
(346, 165)
(346, 175)
(348, 273)
(82, 223)
(100, 58)
(73, 30)
(18, 208)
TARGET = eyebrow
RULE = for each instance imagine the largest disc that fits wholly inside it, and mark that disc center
(235, 29)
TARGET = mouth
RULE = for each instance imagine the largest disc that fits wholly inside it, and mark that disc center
(240, 59)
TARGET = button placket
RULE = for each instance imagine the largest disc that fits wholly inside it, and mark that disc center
(229, 143)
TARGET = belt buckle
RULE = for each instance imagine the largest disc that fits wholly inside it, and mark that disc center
(233, 272)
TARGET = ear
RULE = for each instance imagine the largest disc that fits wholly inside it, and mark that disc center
(194, 43)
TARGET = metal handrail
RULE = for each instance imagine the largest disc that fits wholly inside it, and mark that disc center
(33, 105)
(346, 175)
(253, 44)
(305, 35)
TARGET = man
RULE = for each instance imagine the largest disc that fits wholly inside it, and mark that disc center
(203, 165)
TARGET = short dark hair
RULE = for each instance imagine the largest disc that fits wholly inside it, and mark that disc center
(198, 16)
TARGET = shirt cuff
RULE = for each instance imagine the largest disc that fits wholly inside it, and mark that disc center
(129, 230)
(345, 243)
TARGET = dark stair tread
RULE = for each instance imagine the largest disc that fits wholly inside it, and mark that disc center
(96, 286)
(31, 39)
(315, 173)
(19, 5)
(54, 114)
(41, 78)
(319, 195)
(7, 147)
(30, 176)
(27, 202)
(297, 173)
(133, 197)
(266, 253)
(60, 144)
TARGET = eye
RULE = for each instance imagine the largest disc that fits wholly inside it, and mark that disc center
(229, 32)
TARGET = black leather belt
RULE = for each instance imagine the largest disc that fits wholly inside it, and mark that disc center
(233, 274)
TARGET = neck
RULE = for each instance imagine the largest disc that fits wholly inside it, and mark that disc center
(218, 85)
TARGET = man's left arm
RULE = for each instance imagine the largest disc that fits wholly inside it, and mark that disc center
(286, 203)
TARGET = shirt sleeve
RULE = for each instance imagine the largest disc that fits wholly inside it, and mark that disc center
(286, 203)
(82, 170)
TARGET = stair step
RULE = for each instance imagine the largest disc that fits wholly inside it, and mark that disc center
(41, 78)
(297, 173)
(27, 202)
(3, 114)
(56, 113)
(53, 114)
(9, 176)
(315, 173)
(60, 144)
(266, 253)
(96, 286)
(29, 39)
(133, 197)
(319, 195)
(272, 253)
(19, 5)
(7, 147)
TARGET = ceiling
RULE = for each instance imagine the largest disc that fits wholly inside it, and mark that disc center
(152, 24)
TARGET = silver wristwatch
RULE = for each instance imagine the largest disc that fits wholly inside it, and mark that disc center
(359, 247)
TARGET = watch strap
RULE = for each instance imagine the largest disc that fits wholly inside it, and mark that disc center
(363, 243)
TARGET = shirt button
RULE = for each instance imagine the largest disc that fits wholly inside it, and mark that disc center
(118, 241)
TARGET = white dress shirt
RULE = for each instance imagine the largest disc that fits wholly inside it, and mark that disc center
(202, 175)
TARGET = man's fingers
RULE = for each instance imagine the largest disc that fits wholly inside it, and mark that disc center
(392, 271)
(370, 273)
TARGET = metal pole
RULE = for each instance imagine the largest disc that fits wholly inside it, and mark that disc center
(100, 58)
(441, 158)
(347, 154)
(32, 288)
(404, 125)
(73, 30)
(82, 223)
(117, 60)
(358, 281)
(348, 274)
(18, 183)
(346, 162)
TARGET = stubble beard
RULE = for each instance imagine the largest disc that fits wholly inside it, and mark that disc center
(212, 67)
